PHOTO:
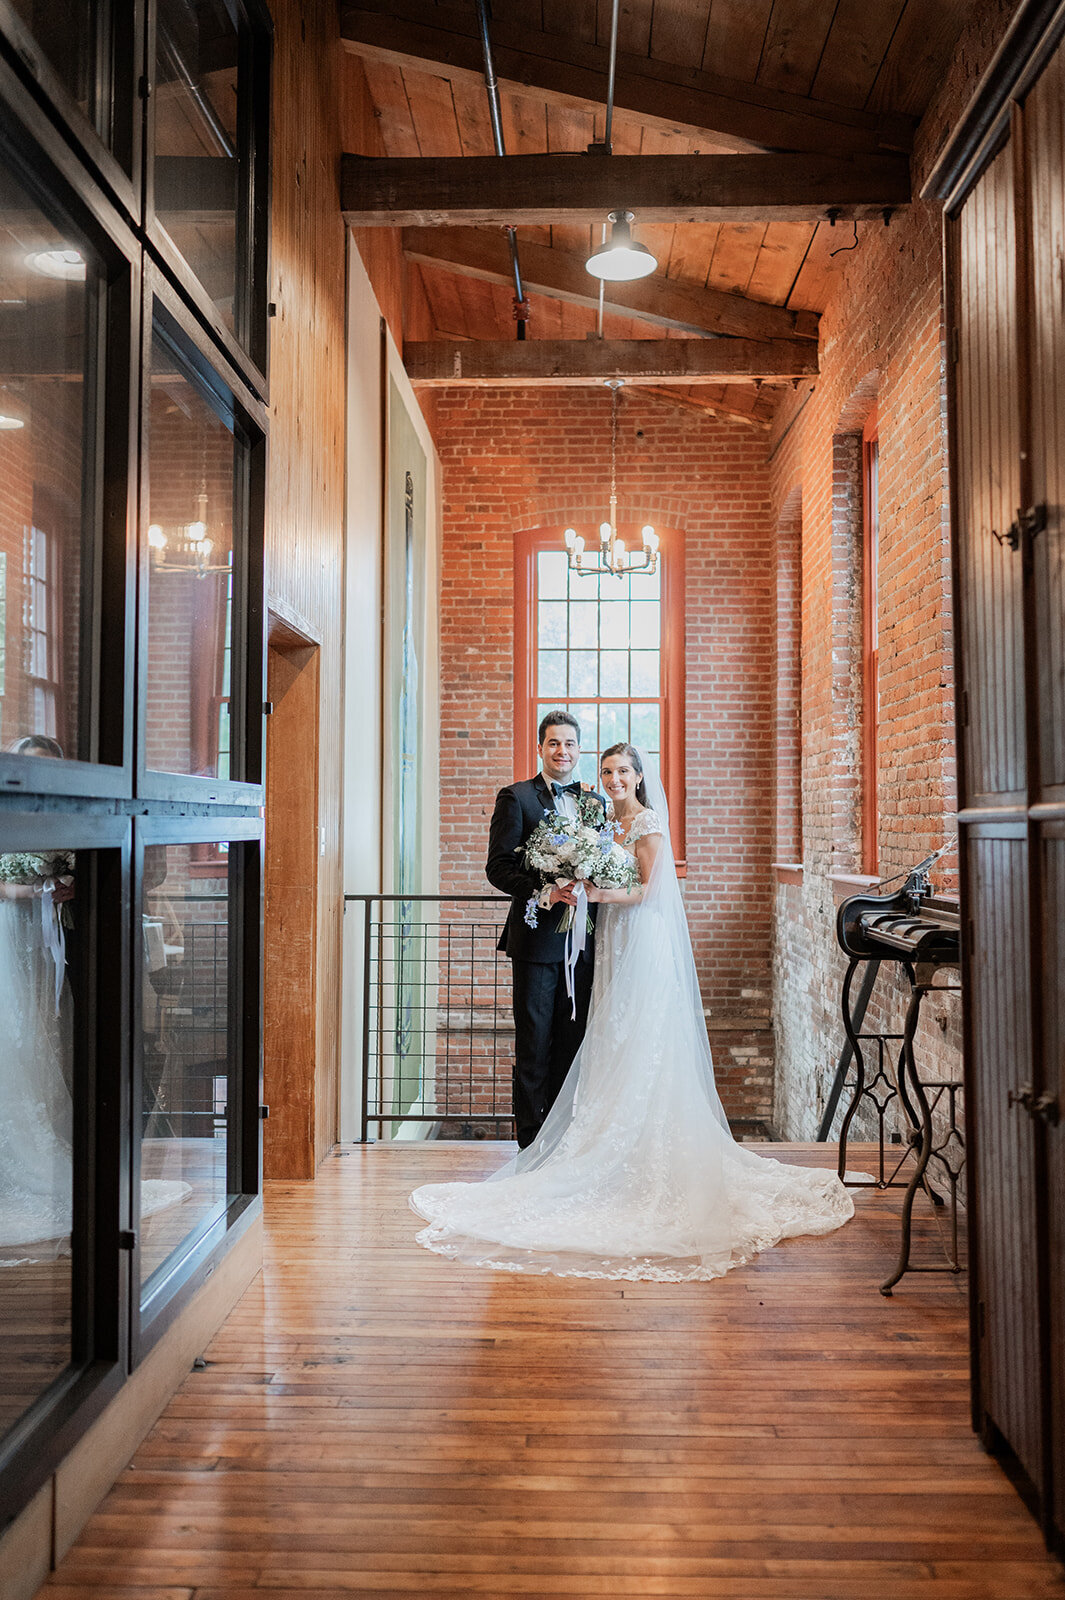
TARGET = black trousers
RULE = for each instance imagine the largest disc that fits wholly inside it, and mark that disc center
(546, 1037)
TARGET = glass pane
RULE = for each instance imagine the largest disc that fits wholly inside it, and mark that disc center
(584, 672)
(552, 572)
(583, 616)
(67, 35)
(647, 585)
(588, 717)
(645, 672)
(551, 624)
(613, 725)
(644, 626)
(614, 629)
(190, 542)
(614, 672)
(646, 728)
(189, 1073)
(48, 511)
(201, 154)
(551, 672)
(36, 1122)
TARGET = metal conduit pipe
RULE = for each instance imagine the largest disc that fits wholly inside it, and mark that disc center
(521, 310)
(611, 74)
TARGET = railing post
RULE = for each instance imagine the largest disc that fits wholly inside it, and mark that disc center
(366, 934)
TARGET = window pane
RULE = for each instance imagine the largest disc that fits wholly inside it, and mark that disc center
(584, 672)
(645, 680)
(644, 626)
(588, 717)
(190, 540)
(583, 615)
(36, 1121)
(647, 585)
(551, 624)
(552, 571)
(646, 725)
(189, 1074)
(551, 672)
(48, 511)
(613, 725)
(201, 147)
(614, 672)
(68, 37)
(614, 633)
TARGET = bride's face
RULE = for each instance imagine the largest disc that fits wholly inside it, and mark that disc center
(619, 779)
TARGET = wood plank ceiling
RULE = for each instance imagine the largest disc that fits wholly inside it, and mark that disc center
(855, 69)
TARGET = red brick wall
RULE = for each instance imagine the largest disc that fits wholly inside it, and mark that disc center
(882, 339)
(516, 459)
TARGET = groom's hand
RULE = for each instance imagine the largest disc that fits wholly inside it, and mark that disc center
(563, 895)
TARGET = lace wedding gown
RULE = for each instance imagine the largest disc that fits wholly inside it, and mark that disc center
(635, 1173)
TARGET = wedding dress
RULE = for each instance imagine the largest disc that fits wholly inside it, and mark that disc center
(36, 1105)
(634, 1173)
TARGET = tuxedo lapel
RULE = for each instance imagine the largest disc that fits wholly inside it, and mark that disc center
(543, 792)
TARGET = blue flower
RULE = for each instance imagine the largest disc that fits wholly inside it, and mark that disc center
(557, 838)
(531, 908)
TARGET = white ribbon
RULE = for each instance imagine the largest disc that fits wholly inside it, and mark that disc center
(575, 937)
(52, 935)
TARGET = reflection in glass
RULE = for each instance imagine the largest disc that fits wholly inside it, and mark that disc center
(67, 36)
(200, 156)
(186, 1045)
(36, 1120)
(190, 543)
(48, 512)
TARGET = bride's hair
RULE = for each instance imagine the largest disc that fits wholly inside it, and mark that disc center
(634, 756)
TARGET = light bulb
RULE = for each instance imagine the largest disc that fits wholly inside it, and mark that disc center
(69, 264)
(8, 422)
(156, 537)
(605, 531)
(578, 545)
(570, 535)
(196, 531)
(622, 259)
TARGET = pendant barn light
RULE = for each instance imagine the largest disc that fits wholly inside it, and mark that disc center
(612, 556)
(621, 258)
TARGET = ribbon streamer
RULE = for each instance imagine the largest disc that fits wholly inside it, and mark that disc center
(575, 938)
(52, 936)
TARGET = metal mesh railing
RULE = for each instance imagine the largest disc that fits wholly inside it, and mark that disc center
(437, 1025)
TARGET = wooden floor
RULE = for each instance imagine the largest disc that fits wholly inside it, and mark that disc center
(377, 1421)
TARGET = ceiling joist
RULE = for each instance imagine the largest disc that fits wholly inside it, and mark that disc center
(562, 70)
(569, 363)
(484, 254)
(415, 191)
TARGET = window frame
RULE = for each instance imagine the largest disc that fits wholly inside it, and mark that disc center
(870, 851)
(238, 408)
(189, 1270)
(527, 544)
(121, 34)
(44, 1434)
(247, 344)
(49, 172)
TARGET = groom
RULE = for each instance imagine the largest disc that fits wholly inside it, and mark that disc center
(546, 1037)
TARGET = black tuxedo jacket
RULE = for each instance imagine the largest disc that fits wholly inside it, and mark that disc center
(519, 807)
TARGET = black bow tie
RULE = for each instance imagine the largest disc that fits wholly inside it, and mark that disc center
(566, 788)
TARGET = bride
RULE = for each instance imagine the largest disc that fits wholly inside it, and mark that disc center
(635, 1173)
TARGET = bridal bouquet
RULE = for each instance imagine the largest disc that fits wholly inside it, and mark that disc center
(35, 868)
(563, 849)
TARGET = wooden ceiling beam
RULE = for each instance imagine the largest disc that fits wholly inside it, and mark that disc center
(757, 408)
(562, 70)
(417, 191)
(484, 254)
(571, 363)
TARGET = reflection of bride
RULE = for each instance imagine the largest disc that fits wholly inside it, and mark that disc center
(36, 1059)
(635, 1173)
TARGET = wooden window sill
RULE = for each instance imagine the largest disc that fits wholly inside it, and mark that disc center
(844, 884)
(787, 871)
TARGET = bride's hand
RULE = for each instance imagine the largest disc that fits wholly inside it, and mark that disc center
(594, 894)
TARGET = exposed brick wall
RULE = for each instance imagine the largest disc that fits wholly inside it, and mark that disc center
(882, 335)
(515, 459)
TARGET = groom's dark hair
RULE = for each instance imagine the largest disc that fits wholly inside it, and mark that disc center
(555, 719)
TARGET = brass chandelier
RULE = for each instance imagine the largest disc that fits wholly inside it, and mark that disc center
(612, 555)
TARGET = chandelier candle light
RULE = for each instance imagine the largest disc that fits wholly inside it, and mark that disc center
(612, 555)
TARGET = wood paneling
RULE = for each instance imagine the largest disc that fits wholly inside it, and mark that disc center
(290, 969)
(305, 502)
(374, 1420)
(1003, 1154)
(1045, 140)
(988, 446)
(1053, 874)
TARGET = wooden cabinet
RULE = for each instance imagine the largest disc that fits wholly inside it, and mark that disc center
(1003, 180)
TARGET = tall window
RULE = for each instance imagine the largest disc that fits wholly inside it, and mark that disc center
(40, 630)
(610, 650)
(870, 643)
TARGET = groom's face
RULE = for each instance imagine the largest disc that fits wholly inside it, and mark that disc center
(559, 752)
